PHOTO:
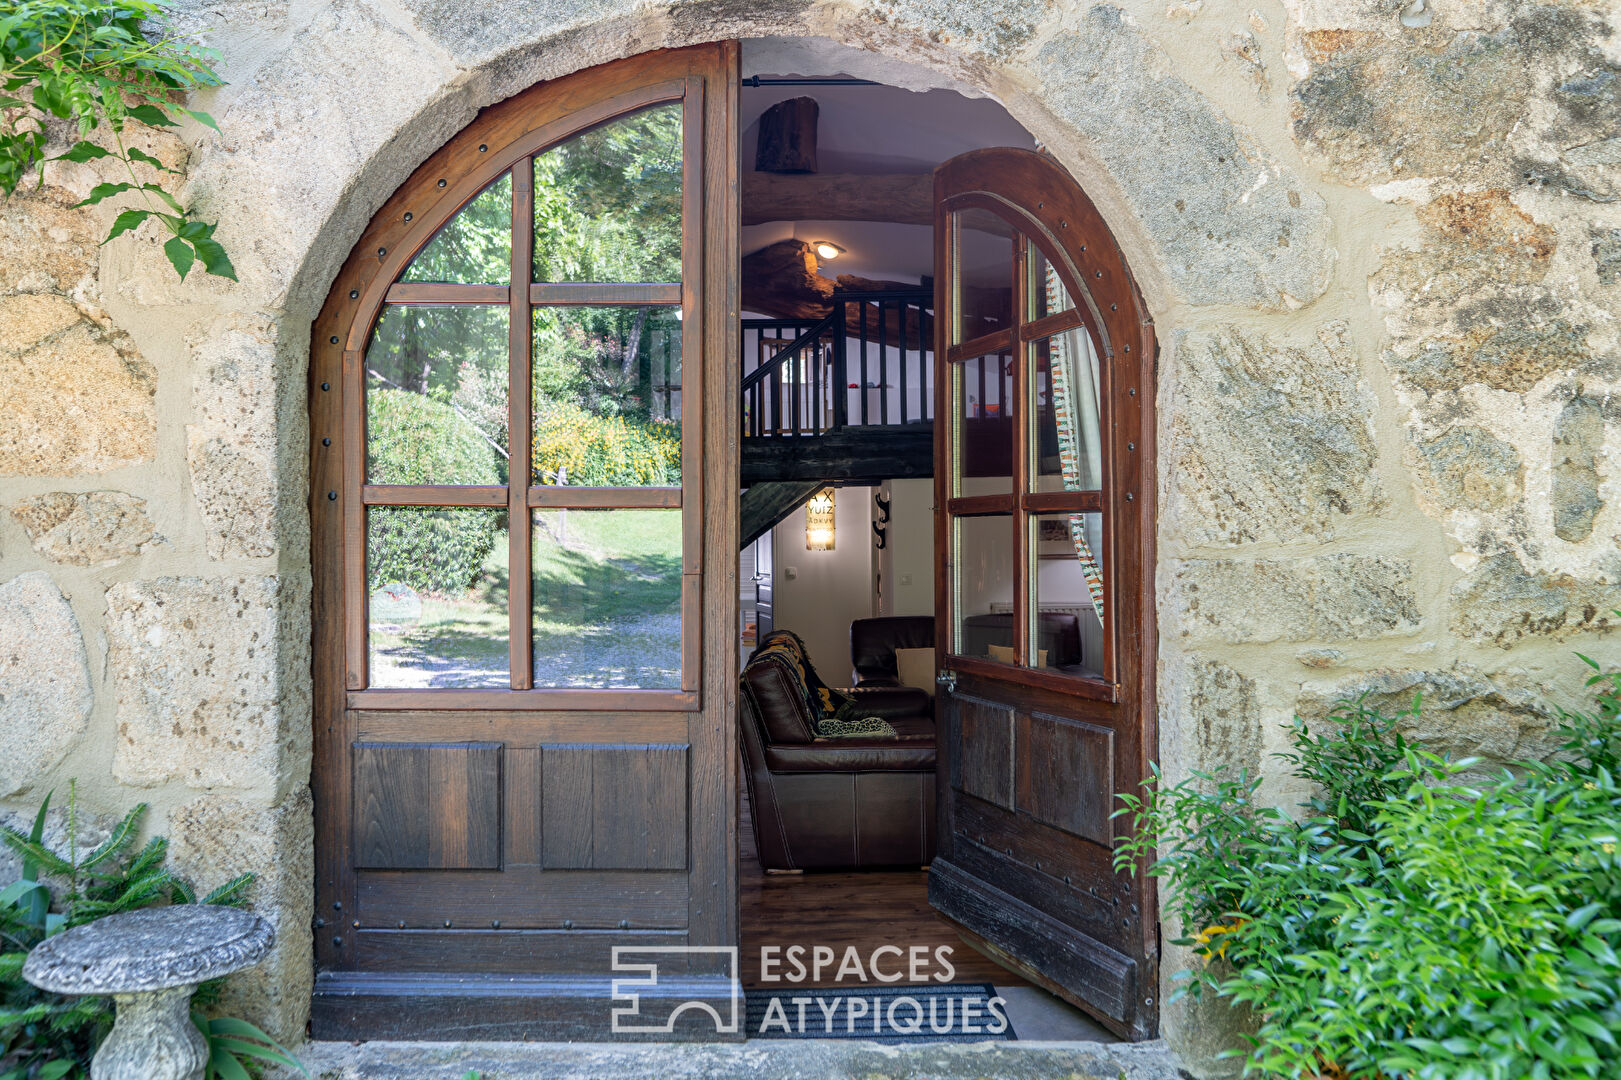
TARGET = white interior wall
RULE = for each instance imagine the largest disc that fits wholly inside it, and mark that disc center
(818, 593)
(907, 561)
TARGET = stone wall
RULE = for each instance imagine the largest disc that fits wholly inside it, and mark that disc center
(1381, 240)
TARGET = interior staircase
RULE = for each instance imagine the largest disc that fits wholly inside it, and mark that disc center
(836, 401)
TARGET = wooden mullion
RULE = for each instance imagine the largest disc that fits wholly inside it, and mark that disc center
(354, 520)
(432, 495)
(1048, 325)
(423, 293)
(982, 505)
(606, 498)
(520, 624)
(604, 294)
(693, 326)
(1062, 502)
(999, 341)
(1023, 583)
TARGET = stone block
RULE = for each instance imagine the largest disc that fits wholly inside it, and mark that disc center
(1324, 598)
(1499, 718)
(231, 446)
(1501, 602)
(1211, 714)
(26, 319)
(1467, 468)
(45, 693)
(88, 528)
(1232, 224)
(194, 664)
(47, 246)
(1269, 440)
(1606, 251)
(78, 402)
(1578, 442)
(215, 839)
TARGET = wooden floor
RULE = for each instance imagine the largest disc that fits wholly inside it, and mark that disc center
(865, 909)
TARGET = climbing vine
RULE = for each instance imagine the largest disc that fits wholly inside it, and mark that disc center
(100, 64)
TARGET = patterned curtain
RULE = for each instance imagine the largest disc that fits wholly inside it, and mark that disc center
(1077, 410)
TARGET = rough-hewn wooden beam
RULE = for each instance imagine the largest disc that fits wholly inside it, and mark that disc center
(788, 137)
(838, 197)
(783, 281)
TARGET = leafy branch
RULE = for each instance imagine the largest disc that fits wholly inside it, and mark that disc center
(91, 62)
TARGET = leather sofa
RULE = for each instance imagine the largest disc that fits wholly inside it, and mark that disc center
(846, 802)
(873, 643)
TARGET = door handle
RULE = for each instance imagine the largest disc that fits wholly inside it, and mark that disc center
(947, 679)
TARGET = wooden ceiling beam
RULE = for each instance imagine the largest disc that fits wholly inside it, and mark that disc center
(906, 199)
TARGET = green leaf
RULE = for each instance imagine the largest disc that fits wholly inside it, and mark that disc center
(180, 255)
(147, 159)
(215, 261)
(55, 1070)
(157, 189)
(222, 1064)
(152, 116)
(232, 892)
(123, 833)
(104, 191)
(1583, 915)
(127, 221)
(81, 152)
(202, 118)
(1589, 1026)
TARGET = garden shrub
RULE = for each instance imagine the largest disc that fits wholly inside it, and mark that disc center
(413, 439)
(605, 451)
(1410, 924)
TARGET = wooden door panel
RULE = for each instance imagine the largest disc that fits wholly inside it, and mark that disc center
(507, 952)
(523, 897)
(614, 807)
(1065, 774)
(985, 766)
(427, 806)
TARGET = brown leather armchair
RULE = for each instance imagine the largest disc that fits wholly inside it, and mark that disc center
(873, 643)
(836, 803)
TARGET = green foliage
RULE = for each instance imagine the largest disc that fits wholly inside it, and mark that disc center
(413, 439)
(90, 63)
(1409, 924)
(46, 1036)
(605, 451)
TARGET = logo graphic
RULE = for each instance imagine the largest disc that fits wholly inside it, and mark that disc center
(665, 998)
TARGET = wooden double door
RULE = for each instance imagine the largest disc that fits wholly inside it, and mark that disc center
(524, 405)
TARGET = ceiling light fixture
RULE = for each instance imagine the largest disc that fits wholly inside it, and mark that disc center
(827, 249)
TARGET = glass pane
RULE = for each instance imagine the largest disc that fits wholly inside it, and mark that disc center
(608, 201)
(436, 396)
(981, 275)
(1048, 296)
(607, 598)
(437, 582)
(607, 396)
(985, 428)
(1067, 443)
(1068, 608)
(475, 246)
(982, 587)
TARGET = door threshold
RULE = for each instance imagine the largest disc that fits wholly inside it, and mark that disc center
(796, 1059)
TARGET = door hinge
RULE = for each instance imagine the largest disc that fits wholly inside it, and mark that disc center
(947, 679)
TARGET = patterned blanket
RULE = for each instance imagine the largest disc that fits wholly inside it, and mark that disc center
(834, 714)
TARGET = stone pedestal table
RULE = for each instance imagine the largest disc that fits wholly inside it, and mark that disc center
(150, 961)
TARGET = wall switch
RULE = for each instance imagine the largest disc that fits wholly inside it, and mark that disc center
(790, 572)
(906, 579)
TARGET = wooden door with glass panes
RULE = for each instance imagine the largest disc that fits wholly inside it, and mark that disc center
(524, 499)
(1044, 495)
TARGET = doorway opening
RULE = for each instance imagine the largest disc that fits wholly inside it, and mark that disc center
(850, 595)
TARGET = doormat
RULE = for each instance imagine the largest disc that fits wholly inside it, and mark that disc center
(953, 1012)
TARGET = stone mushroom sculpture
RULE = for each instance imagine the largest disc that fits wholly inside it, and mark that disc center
(150, 961)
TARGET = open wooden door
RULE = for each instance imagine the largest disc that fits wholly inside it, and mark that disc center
(1044, 495)
(524, 399)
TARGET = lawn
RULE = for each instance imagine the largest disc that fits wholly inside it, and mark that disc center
(606, 610)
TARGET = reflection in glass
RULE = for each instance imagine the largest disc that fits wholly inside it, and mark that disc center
(1068, 608)
(982, 587)
(436, 395)
(475, 246)
(608, 201)
(1067, 442)
(985, 428)
(981, 274)
(436, 582)
(607, 598)
(607, 396)
(1046, 290)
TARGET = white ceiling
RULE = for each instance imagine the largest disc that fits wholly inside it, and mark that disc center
(909, 126)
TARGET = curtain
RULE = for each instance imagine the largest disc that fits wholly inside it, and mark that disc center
(1077, 411)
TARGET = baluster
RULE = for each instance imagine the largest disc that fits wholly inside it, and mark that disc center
(900, 309)
(865, 419)
(883, 363)
(841, 370)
